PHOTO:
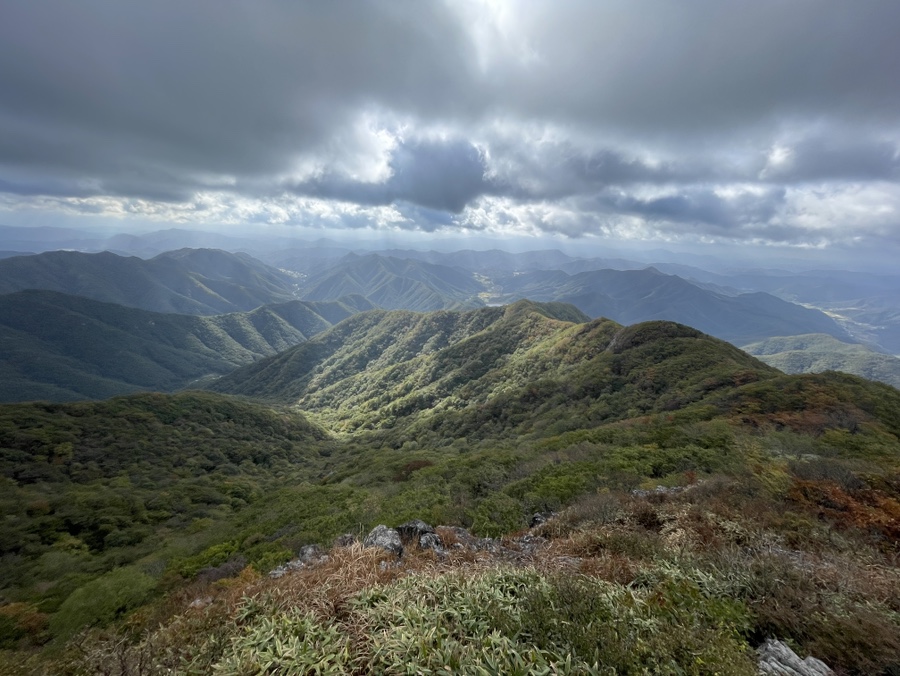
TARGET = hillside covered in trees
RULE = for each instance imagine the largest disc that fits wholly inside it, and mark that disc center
(691, 496)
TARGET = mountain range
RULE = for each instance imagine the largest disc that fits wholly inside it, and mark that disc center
(632, 296)
(187, 281)
(379, 368)
(626, 296)
(394, 283)
(63, 347)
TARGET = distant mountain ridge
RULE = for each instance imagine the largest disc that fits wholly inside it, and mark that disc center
(485, 261)
(60, 347)
(631, 296)
(395, 283)
(815, 353)
(626, 296)
(187, 281)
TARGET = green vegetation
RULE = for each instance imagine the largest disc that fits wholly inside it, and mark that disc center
(146, 480)
(815, 353)
(63, 348)
(781, 518)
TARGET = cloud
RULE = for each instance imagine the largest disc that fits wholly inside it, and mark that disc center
(704, 206)
(442, 175)
(826, 158)
(207, 87)
(699, 66)
(694, 119)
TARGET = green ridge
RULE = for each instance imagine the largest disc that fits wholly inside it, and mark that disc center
(61, 348)
(815, 353)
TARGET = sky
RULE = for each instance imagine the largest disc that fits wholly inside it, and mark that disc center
(773, 123)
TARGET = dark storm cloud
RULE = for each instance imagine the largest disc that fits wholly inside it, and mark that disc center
(438, 175)
(423, 218)
(25, 189)
(553, 171)
(210, 86)
(443, 176)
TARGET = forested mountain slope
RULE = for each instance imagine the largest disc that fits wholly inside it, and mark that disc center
(60, 347)
(814, 353)
(379, 368)
(777, 516)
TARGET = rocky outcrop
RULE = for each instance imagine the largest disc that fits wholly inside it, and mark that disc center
(411, 531)
(308, 556)
(421, 535)
(416, 534)
(776, 659)
(433, 542)
(386, 538)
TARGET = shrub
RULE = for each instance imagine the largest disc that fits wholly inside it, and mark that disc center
(669, 627)
(497, 515)
(101, 601)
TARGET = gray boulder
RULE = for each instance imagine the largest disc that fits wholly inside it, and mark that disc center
(776, 659)
(465, 540)
(411, 531)
(386, 538)
(308, 557)
(419, 533)
(311, 555)
(433, 542)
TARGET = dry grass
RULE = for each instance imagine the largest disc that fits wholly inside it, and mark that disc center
(839, 603)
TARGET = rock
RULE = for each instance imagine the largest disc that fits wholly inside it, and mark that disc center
(464, 539)
(201, 602)
(386, 538)
(285, 568)
(433, 542)
(311, 555)
(345, 540)
(529, 544)
(776, 659)
(308, 557)
(419, 533)
(412, 531)
(539, 518)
